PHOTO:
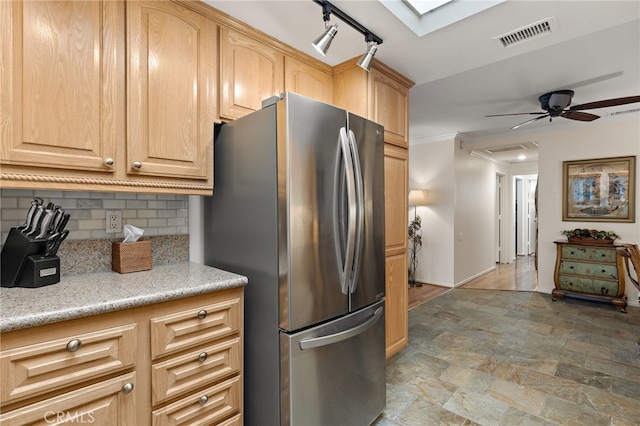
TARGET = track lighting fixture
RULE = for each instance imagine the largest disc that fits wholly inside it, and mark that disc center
(367, 58)
(323, 42)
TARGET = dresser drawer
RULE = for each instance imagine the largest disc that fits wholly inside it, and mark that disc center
(600, 270)
(588, 285)
(182, 374)
(37, 368)
(208, 407)
(218, 317)
(596, 254)
(104, 403)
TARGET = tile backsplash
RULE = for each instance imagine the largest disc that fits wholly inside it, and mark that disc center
(157, 214)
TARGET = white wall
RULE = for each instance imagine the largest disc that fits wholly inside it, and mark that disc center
(594, 140)
(475, 210)
(431, 168)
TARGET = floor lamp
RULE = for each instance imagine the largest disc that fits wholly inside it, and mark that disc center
(417, 198)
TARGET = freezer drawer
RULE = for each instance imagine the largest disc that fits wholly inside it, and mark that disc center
(334, 374)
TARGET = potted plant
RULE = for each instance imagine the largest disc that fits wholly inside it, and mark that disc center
(590, 236)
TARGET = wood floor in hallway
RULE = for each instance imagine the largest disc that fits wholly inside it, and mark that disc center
(520, 275)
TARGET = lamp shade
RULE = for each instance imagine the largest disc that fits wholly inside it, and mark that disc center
(323, 42)
(417, 197)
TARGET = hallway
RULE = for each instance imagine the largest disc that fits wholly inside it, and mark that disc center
(519, 275)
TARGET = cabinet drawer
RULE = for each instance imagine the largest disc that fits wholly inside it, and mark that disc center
(104, 403)
(589, 253)
(194, 326)
(38, 368)
(588, 285)
(207, 407)
(183, 374)
(600, 270)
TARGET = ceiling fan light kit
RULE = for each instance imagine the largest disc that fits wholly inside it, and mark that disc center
(555, 104)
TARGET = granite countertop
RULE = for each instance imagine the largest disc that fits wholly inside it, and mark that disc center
(82, 295)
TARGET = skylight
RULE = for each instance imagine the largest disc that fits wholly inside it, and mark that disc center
(425, 16)
(425, 6)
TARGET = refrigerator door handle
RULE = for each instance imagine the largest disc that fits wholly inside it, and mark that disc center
(346, 267)
(357, 170)
(315, 342)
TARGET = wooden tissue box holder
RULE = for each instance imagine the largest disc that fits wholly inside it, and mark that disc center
(130, 257)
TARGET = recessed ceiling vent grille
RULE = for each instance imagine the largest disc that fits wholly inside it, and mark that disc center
(505, 149)
(626, 111)
(528, 32)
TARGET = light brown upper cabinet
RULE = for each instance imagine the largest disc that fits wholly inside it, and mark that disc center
(307, 80)
(61, 95)
(250, 72)
(381, 95)
(92, 104)
(170, 104)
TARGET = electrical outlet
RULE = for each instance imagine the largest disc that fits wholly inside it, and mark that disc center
(114, 222)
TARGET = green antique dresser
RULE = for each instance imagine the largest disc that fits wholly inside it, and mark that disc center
(594, 272)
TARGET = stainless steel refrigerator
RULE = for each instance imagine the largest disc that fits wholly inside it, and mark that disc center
(298, 208)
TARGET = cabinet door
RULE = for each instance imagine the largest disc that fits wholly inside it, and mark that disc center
(396, 304)
(397, 287)
(60, 76)
(389, 106)
(249, 73)
(170, 97)
(307, 80)
(111, 402)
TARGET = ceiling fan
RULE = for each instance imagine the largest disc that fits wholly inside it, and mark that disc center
(555, 104)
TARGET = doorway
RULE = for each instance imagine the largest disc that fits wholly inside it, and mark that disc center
(526, 223)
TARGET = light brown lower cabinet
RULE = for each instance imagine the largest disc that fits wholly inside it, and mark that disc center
(103, 369)
(396, 166)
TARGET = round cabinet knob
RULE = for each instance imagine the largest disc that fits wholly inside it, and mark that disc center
(74, 345)
(136, 165)
(203, 399)
(127, 388)
(109, 162)
(202, 314)
(203, 356)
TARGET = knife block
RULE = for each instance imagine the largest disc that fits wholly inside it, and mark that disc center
(39, 271)
(15, 252)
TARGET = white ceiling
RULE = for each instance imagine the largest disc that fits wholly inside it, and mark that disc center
(462, 73)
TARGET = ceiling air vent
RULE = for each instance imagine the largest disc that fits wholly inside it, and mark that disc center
(528, 32)
(626, 111)
(505, 149)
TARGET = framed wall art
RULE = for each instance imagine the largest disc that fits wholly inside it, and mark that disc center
(599, 190)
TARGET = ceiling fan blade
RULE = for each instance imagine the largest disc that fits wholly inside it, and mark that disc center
(606, 103)
(517, 113)
(529, 121)
(580, 116)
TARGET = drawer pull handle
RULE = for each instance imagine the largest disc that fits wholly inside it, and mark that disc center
(136, 165)
(604, 291)
(74, 345)
(202, 314)
(604, 270)
(570, 267)
(127, 388)
(203, 357)
(203, 399)
(109, 162)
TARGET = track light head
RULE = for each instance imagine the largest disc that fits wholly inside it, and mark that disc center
(323, 42)
(367, 58)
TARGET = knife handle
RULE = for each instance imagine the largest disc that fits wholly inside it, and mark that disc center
(32, 210)
(63, 223)
(45, 223)
(35, 222)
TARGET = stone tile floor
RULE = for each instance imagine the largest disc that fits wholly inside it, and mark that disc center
(490, 357)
